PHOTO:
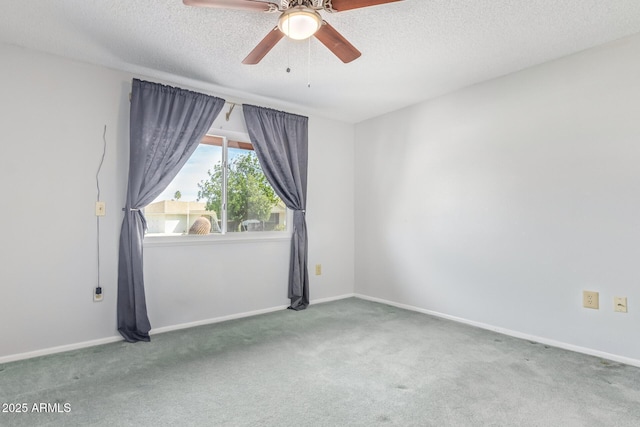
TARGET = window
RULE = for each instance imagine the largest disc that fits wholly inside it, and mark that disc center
(208, 198)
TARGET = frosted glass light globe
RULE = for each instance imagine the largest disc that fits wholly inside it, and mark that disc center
(299, 22)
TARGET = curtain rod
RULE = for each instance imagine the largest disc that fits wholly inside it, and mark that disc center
(227, 114)
(226, 102)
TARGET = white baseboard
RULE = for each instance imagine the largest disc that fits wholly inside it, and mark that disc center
(59, 349)
(239, 315)
(516, 334)
(116, 338)
(329, 299)
(170, 328)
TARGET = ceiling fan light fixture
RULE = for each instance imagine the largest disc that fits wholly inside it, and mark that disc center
(299, 22)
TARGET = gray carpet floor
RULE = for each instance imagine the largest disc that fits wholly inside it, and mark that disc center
(344, 363)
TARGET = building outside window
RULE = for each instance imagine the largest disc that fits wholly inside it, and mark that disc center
(220, 190)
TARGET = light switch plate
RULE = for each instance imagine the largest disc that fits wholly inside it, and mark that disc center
(101, 209)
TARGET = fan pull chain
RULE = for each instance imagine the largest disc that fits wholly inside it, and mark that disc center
(309, 65)
(288, 57)
(289, 48)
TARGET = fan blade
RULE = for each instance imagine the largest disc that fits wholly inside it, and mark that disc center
(341, 5)
(234, 4)
(264, 47)
(336, 43)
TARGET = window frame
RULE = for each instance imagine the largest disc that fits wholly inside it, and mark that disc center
(220, 139)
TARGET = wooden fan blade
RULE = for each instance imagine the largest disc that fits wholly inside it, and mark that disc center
(341, 5)
(264, 47)
(234, 4)
(336, 43)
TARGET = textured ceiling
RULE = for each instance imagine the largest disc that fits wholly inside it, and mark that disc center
(411, 50)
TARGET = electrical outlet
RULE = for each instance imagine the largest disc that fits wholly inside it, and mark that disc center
(318, 269)
(97, 294)
(590, 299)
(620, 304)
(101, 209)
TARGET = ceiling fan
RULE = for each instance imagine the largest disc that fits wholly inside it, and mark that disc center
(299, 20)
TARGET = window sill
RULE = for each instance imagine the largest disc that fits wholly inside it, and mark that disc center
(215, 239)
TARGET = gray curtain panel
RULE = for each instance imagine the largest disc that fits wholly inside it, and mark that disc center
(166, 125)
(281, 144)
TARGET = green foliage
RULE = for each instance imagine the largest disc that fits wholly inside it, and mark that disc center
(249, 195)
(177, 195)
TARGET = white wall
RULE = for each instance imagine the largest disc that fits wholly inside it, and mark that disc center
(52, 113)
(500, 203)
(330, 207)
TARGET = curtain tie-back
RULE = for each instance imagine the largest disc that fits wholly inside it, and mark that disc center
(143, 220)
